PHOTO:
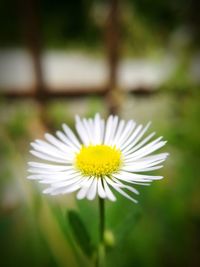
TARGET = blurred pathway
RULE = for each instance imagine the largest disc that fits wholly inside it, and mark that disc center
(63, 70)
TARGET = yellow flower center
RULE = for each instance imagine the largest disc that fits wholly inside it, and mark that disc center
(98, 160)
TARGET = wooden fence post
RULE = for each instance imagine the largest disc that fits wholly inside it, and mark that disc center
(112, 40)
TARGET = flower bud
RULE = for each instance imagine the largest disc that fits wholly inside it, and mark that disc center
(109, 239)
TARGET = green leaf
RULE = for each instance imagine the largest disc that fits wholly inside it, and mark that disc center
(80, 233)
(123, 230)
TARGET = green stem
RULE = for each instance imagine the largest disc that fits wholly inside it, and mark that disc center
(102, 218)
(101, 248)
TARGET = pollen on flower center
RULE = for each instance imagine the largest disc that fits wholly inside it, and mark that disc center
(98, 160)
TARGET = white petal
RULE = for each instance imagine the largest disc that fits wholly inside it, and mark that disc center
(102, 130)
(108, 129)
(71, 135)
(131, 138)
(132, 141)
(49, 171)
(136, 177)
(49, 150)
(150, 168)
(126, 133)
(82, 131)
(65, 140)
(137, 165)
(83, 191)
(72, 188)
(97, 129)
(151, 158)
(148, 149)
(50, 166)
(130, 149)
(53, 178)
(132, 189)
(117, 188)
(118, 132)
(92, 190)
(67, 183)
(59, 177)
(127, 180)
(60, 145)
(109, 193)
(46, 146)
(63, 190)
(46, 157)
(100, 189)
(55, 182)
(89, 130)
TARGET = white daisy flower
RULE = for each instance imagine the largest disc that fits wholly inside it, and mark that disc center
(106, 156)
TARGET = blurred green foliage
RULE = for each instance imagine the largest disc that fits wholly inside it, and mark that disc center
(81, 23)
(80, 233)
(162, 230)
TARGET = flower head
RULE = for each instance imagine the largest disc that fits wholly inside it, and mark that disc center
(105, 155)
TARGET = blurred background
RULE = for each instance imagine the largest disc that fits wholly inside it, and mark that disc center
(136, 58)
